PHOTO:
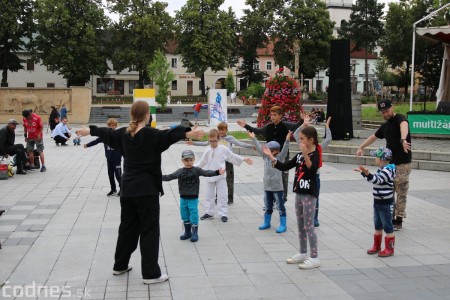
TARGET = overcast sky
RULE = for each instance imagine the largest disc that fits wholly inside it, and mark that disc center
(237, 5)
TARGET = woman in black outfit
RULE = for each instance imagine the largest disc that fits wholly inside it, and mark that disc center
(53, 120)
(141, 147)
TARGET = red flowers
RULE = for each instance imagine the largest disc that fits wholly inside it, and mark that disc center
(282, 91)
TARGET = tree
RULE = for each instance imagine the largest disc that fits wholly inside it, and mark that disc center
(364, 29)
(229, 82)
(307, 24)
(254, 31)
(143, 28)
(16, 25)
(161, 73)
(397, 42)
(206, 37)
(70, 38)
(282, 91)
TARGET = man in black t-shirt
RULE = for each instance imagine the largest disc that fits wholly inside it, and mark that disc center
(396, 132)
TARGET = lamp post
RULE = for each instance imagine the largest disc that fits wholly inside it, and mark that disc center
(5, 47)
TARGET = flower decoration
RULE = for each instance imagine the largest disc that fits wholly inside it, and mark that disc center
(282, 91)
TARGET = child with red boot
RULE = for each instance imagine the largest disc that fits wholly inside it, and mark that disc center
(383, 194)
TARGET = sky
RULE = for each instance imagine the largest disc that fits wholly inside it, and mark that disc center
(237, 5)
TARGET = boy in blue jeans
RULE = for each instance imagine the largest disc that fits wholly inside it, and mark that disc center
(383, 194)
(113, 159)
(189, 186)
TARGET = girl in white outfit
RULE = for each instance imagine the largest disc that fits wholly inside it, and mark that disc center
(214, 158)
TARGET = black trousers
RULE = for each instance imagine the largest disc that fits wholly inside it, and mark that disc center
(60, 140)
(139, 219)
(114, 169)
(21, 157)
(229, 168)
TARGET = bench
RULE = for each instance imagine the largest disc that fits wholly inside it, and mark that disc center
(186, 113)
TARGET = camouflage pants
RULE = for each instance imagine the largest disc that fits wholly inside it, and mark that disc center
(401, 185)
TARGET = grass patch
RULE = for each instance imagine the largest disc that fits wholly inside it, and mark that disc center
(372, 114)
(239, 135)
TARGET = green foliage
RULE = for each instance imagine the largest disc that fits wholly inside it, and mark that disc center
(372, 113)
(16, 24)
(143, 28)
(229, 82)
(161, 73)
(397, 41)
(308, 23)
(70, 38)
(365, 27)
(254, 27)
(368, 100)
(255, 89)
(207, 36)
(317, 96)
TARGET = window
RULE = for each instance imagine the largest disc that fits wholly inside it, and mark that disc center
(50, 85)
(319, 86)
(174, 63)
(30, 84)
(268, 65)
(256, 66)
(132, 84)
(30, 65)
(104, 85)
(174, 85)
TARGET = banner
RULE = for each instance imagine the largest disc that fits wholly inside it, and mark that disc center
(429, 124)
(217, 106)
(147, 95)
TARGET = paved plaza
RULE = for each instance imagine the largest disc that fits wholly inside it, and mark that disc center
(60, 231)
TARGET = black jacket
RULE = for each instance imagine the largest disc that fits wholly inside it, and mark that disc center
(7, 139)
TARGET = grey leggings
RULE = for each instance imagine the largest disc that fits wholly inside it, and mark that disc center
(305, 207)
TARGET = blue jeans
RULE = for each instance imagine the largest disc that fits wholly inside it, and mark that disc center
(269, 198)
(189, 210)
(382, 217)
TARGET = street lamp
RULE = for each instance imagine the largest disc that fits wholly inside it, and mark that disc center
(5, 63)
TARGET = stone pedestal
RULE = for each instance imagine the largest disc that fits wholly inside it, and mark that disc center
(356, 112)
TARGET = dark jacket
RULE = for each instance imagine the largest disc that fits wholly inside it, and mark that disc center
(110, 153)
(7, 139)
(142, 174)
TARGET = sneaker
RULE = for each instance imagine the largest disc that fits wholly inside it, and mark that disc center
(29, 167)
(297, 258)
(57, 144)
(112, 192)
(316, 223)
(162, 278)
(206, 217)
(2, 211)
(21, 172)
(115, 272)
(398, 227)
(43, 169)
(309, 263)
(224, 219)
(397, 222)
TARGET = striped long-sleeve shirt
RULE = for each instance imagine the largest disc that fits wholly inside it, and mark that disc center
(383, 184)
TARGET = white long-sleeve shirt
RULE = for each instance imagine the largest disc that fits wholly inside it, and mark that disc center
(214, 158)
(60, 129)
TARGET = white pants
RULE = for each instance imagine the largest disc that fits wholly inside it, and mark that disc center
(220, 188)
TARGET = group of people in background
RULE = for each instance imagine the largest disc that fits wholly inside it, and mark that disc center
(141, 184)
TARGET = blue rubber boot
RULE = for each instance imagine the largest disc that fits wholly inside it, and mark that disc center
(187, 231)
(266, 224)
(194, 236)
(282, 227)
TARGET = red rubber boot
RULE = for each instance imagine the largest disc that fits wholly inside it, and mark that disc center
(376, 244)
(389, 247)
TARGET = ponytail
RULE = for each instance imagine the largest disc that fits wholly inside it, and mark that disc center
(138, 111)
(132, 127)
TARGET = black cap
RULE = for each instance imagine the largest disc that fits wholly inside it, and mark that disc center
(187, 154)
(383, 104)
(26, 113)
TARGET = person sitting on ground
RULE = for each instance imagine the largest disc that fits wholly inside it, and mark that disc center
(54, 118)
(62, 133)
(7, 146)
